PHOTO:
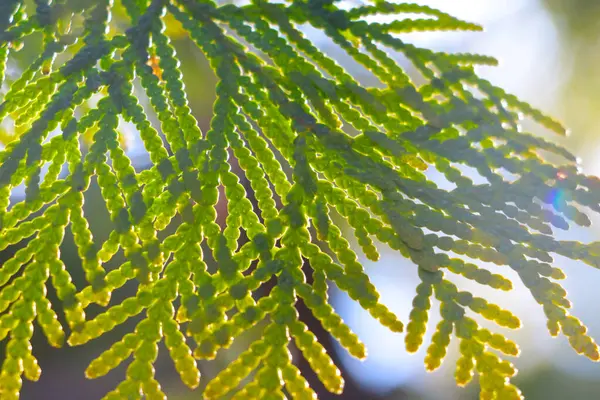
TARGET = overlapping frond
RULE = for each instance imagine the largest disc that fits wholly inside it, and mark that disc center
(282, 106)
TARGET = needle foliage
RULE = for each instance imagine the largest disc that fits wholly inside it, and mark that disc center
(324, 156)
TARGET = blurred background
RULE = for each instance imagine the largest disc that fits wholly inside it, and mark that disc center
(548, 51)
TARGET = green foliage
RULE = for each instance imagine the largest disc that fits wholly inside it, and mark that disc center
(285, 110)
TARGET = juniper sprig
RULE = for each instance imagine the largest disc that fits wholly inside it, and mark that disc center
(286, 111)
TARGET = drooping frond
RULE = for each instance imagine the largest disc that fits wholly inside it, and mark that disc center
(286, 111)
